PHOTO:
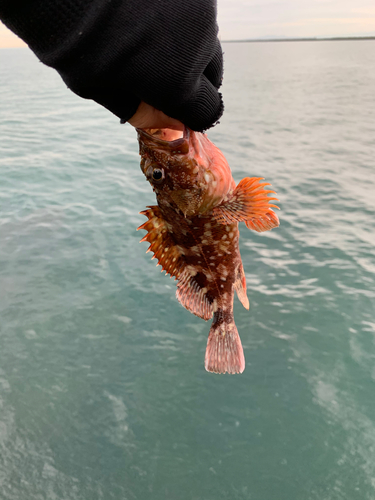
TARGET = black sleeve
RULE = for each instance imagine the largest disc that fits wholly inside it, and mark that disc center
(121, 52)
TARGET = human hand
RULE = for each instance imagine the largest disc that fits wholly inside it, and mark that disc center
(157, 123)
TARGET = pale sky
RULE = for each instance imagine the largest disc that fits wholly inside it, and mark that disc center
(241, 19)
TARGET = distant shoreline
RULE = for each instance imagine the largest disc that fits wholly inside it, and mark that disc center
(268, 40)
(311, 39)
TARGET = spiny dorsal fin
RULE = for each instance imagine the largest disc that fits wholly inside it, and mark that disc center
(240, 286)
(193, 297)
(189, 293)
(161, 243)
(249, 203)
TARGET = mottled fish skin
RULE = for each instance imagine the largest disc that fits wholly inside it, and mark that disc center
(193, 233)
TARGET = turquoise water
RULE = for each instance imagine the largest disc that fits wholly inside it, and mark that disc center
(103, 392)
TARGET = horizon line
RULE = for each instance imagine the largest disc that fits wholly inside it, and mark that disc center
(268, 40)
(301, 39)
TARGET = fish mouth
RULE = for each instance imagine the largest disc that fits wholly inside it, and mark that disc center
(153, 138)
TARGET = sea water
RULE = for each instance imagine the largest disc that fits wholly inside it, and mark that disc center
(103, 392)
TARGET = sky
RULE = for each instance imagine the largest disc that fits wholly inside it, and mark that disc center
(242, 19)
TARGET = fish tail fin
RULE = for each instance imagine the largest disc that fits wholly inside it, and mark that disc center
(224, 352)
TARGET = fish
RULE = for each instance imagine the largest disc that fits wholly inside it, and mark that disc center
(193, 231)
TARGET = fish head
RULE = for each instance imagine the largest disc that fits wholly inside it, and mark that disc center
(189, 173)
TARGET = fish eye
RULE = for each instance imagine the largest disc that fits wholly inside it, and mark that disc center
(157, 174)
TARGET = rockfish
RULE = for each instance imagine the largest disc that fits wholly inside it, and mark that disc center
(193, 232)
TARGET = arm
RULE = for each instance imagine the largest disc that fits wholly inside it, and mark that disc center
(123, 52)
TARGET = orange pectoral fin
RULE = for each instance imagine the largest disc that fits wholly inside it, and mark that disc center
(249, 203)
(263, 223)
(161, 243)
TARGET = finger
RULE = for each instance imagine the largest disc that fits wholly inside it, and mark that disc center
(161, 120)
(147, 116)
(166, 134)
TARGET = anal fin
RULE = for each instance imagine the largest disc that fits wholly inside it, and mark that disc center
(240, 286)
(249, 203)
